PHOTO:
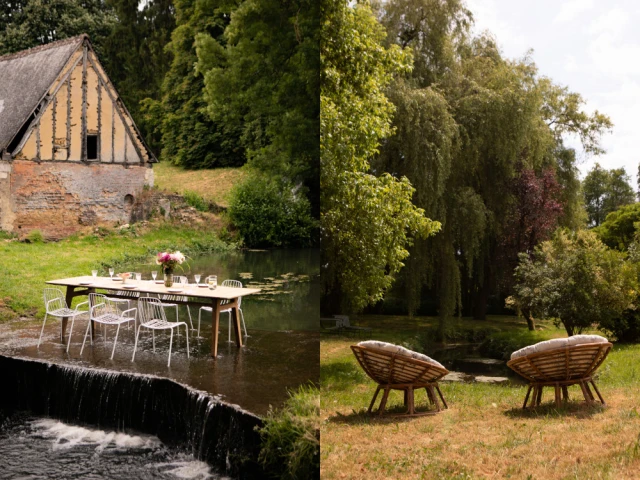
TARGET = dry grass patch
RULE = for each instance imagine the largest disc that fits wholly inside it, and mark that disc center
(214, 184)
(484, 434)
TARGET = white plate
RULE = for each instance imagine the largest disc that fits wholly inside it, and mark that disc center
(130, 287)
(116, 279)
(86, 283)
(174, 290)
(159, 281)
(203, 285)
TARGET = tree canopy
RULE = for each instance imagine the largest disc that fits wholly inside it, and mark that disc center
(605, 191)
(480, 138)
(367, 220)
(261, 76)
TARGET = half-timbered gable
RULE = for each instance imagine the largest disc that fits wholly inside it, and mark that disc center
(69, 147)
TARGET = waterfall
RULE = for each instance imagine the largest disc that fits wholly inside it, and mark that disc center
(221, 434)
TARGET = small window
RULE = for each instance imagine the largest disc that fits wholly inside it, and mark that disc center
(92, 147)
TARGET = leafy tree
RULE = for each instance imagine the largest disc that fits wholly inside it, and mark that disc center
(619, 189)
(468, 121)
(134, 55)
(619, 228)
(28, 23)
(367, 221)
(190, 138)
(577, 280)
(261, 75)
(605, 191)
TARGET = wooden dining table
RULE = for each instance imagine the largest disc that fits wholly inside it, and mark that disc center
(195, 295)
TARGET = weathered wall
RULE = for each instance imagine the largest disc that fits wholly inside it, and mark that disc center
(6, 212)
(59, 198)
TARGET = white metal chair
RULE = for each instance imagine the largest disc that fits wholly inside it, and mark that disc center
(167, 299)
(226, 283)
(56, 306)
(152, 317)
(105, 311)
(124, 302)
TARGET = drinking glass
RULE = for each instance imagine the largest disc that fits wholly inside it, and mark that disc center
(111, 273)
(94, 273)
(197, 279)
(138, 276)
(213, 282)
(154, 274)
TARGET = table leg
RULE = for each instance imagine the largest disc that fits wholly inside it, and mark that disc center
(236, 323)
(68, 298)
(215, 325)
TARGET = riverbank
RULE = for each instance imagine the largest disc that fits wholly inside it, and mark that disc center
(26, 266)
(484, 433)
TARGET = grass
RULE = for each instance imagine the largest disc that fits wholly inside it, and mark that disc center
(485, 433)
(213, 185)
(291, 436)
(26, 266)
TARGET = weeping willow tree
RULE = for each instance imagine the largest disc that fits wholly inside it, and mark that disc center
(468, 122)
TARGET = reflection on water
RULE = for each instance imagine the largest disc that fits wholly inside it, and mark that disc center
(42, 448)
(289, 280)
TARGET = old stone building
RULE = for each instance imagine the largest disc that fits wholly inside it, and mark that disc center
(71, 154)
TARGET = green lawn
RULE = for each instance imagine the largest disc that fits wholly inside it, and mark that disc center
(485, 433)
(212, 184)
(26, 266)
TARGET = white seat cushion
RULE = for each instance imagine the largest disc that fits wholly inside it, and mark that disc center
(405, 352)
(581, 339)
(558, 343)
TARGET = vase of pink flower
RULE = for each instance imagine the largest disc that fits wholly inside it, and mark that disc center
(169, 261)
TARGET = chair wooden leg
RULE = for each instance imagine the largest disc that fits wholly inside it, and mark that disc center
(565, 393)
(435, 399)
(586, 395)
(558, 395)
(598, 392)
(441, 397)
(539, 396)
(383, 402)
(373, 400)
(430, 395)
(586, 384)
(410, 401)
(526, 397)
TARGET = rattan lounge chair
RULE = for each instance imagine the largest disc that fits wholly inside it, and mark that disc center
(560, 363)
(395, 368)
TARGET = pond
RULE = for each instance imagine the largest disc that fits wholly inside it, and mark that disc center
(280, 353)
(470, 365)
(289, 281)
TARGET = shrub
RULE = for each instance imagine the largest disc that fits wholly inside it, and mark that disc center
(291, 436)
(271, 213)
(35, 236)
(502, 345)
(196, 201)
(576, 279)
(625, 328)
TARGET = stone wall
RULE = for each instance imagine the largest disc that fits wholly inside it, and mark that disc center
(60, 198)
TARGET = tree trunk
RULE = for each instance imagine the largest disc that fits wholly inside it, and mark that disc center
(531, 322)
(480, 301)
(568, 326)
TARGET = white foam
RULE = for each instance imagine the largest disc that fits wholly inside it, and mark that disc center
(188, 470)
(68, 436)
